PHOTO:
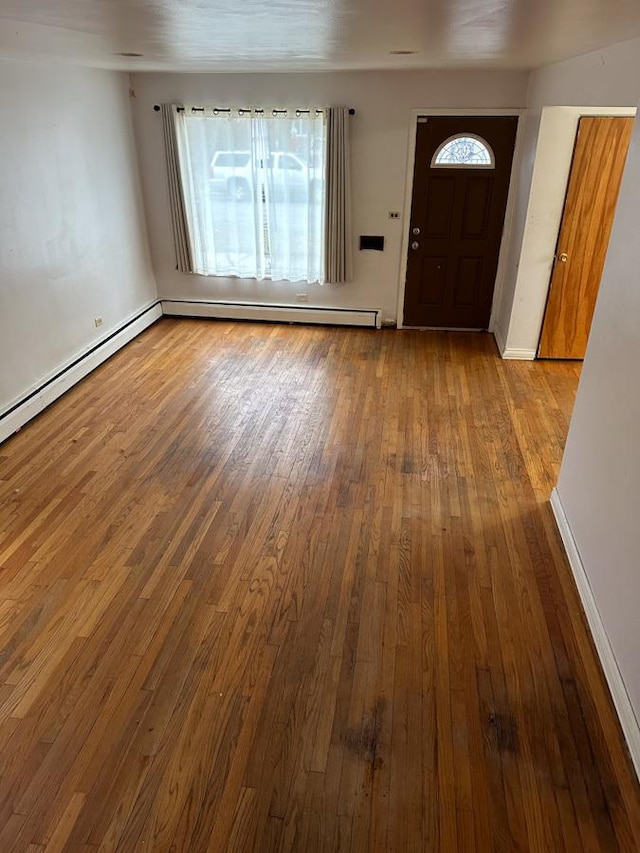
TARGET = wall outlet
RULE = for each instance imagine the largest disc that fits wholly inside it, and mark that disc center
(394, 214)
(302, 297)
(98, 322)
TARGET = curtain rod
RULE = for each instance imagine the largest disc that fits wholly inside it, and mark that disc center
(156, 107)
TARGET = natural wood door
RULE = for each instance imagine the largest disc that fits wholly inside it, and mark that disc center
(457, 214)
(594, 183)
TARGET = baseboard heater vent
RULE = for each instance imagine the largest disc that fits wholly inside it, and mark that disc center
(21, 411)
(370, 318)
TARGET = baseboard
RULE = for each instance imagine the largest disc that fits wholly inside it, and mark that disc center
(370, 318)
(500, 339)
(626, 714)
(511, 353)
(518, 354)
(23, 410)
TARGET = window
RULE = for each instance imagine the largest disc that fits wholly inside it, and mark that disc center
(465, 150)
(254, 187)
(288, 162)
(231, 158)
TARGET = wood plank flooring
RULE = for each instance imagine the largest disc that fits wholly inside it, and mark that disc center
(273, 588)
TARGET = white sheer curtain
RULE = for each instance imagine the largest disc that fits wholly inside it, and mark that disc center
(254, 182)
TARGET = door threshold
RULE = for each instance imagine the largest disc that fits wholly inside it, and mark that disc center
(441, 329)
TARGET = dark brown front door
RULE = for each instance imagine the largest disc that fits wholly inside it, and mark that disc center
(460, 186)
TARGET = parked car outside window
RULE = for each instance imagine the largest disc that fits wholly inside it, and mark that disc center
(283, 174)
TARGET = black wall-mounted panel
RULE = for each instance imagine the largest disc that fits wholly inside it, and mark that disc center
(375, 243)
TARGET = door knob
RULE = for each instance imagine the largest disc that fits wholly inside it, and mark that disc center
(415, 245)
(563, 258)
(415, 231)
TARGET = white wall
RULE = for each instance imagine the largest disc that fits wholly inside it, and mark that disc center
(610, 76)
(73, 242)
(605, 82)
(599, 485)
(521, 181)
(380, 141)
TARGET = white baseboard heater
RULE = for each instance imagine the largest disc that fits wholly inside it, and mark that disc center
(370, 318)
(35, 401)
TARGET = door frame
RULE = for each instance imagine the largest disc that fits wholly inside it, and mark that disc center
(408, 199)
(517, 333)
(576, 188)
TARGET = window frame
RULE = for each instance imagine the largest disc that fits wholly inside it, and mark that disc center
(464, 135)
(264, 259)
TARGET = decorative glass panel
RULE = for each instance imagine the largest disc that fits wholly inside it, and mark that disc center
(464, 151)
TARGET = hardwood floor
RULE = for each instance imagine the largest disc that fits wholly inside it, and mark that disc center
(273, 588)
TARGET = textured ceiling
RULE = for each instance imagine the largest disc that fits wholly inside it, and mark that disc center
(286, 35)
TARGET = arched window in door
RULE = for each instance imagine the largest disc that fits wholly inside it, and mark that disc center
(464, 151)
